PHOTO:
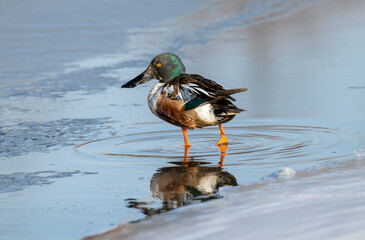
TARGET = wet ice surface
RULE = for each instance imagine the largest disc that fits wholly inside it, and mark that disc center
(34, 137)
(18, 181)
(360, 153)
(64, 116)
(281, 210)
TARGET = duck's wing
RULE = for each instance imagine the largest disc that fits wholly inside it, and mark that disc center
(195, 90)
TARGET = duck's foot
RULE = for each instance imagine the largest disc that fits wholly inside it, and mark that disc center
(222, 141)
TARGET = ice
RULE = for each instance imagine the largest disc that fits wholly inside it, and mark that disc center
(329, 205)
(96, 62)
(18, 181)
(360, 153)
(285, 173)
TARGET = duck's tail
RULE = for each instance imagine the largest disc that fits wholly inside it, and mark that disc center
(225, 110)
(228, 92)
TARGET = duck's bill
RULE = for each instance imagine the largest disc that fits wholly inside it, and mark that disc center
(141, 78)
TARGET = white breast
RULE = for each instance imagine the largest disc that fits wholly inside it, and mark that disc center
(152, 97)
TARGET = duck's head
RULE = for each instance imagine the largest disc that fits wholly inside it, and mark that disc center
(163, 67)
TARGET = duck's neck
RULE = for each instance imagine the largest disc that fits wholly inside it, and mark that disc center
(175, 69)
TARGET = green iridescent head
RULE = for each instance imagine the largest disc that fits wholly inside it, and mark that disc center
(163, 67)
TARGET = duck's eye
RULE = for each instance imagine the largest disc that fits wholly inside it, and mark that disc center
(158, 64)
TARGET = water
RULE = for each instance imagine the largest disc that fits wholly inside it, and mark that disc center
(255, 149)
(258, 150)
(79, 155)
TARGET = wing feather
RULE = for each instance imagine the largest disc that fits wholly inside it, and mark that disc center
(195, 90)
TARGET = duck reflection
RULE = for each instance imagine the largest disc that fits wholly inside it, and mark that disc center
(186, 182)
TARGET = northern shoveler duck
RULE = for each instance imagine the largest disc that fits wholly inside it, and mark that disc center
(189, 101)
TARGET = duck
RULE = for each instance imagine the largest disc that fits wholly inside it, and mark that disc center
(189, 101)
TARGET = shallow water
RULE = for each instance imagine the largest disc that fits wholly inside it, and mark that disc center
(82, 155)
(256, 147)
(256, 153)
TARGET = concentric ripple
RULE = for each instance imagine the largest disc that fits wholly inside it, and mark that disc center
(178, 176)
(252, 144)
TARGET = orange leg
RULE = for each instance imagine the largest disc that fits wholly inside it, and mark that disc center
(185, 137)
(223, 149)
(186, 161)
(223, 140)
